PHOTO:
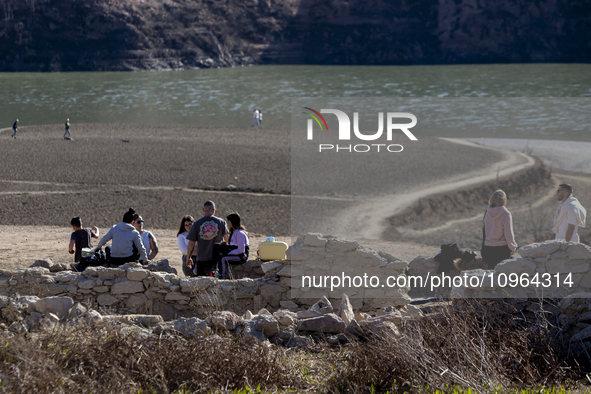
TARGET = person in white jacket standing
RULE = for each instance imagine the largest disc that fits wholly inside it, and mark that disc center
(570, 215)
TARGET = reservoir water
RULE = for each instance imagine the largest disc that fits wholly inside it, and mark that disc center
(227, 97)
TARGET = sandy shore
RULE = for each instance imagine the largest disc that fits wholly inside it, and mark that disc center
(166, 172)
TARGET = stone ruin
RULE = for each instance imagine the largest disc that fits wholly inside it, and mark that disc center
(161, 302)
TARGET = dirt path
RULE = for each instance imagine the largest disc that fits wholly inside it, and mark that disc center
(376, 210)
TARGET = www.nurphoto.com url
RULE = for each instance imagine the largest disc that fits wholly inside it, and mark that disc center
(544, 280)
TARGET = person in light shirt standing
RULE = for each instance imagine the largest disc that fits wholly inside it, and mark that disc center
(255, 118)
(570, 215)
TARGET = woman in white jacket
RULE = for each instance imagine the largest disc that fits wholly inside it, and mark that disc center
(183, 242)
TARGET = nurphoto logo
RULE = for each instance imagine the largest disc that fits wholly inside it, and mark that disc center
(345, 130)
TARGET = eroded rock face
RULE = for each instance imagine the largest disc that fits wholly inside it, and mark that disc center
(148, 34)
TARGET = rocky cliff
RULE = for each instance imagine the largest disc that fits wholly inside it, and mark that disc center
(67, 35)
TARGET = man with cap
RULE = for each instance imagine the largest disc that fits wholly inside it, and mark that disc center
(67, 135)
(570, 214)
(14, 128)
(206, 232)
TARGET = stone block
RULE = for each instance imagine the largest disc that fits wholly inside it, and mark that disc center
(345, 310)
(45, 263)
(566, 266)
(341, 245)
(58, 267)
(517, 266)
(59, 306)
(163, 309)
(329, 324)
(578, 252)
(225, 320)
(127, 287)
(270, 266)
(66, 276)
(192, 327)
(267, 324)
(536, 250)
(174, 296)
(272, 293)
(136, 301)
(316, 240)
(136, 274)
(106, 300)
(288, 304)
(86, 284)
(285, 271)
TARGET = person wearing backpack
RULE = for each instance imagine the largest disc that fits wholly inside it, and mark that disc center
(239, 240)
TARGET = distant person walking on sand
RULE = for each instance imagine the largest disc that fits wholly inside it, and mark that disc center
(67, 135)
(81, 238)
(14, 128)
(124, 237)
(255, 118)
(183, 242)
(148, 239)
(498, 241)
(260, 118)
(570, 214)
(206, 232)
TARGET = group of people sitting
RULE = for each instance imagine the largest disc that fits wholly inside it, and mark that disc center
(209, 245)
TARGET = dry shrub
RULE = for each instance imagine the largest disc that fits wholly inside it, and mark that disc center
(111, 360)
(475, 344)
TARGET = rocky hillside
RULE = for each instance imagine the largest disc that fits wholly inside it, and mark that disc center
(66, 35)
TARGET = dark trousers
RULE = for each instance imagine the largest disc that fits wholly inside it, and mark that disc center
(186, 270)
(117, 261)
(493, 255)
(203, 267)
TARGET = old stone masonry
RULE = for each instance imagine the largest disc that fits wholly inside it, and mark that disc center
(46, 293)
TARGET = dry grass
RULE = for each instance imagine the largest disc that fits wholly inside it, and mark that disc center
(113, 361)
(475, 345)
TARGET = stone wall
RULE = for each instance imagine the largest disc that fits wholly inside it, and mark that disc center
(320, 256)
(132, 289)
(571, 261)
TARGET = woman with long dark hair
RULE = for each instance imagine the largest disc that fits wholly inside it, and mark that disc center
(182, 242)
(239, 244)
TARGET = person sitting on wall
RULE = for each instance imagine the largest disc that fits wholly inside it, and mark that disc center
(148, 239)
(239, 245)
(81, 238)
(124, 237)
